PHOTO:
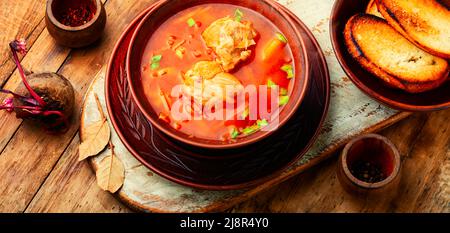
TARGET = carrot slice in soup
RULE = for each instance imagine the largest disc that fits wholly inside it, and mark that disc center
(273, 49)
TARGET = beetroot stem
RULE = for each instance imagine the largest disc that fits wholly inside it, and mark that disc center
(37, 108)
(14, 49)
(5, 107)
(21, 97)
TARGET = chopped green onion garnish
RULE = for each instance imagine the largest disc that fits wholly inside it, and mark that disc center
(234, 133)
(283, 100)
(238, 15)
(289, 70)
(270, 83)
(191, 22)
(179, 53)
(245, 113)
(262, 123)
(283, 91)
(155, 61)
(155, 65)
(251, 130)
(281, 38)
(156, 58)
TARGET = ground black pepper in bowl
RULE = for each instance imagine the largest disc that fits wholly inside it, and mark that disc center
(369, 163)
(367, 172)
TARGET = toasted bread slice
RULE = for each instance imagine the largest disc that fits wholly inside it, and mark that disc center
(384, 52)
(426, 23)
(372, 9)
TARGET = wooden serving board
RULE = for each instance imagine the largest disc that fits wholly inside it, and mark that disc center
(351, 113)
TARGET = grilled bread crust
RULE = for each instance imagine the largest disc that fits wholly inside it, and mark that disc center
(426, 23)
(388, 55)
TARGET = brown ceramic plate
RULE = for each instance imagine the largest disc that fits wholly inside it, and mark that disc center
(166, 9)
(437, 99)
(229, 169)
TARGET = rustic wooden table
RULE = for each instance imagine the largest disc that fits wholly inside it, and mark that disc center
(40, 173)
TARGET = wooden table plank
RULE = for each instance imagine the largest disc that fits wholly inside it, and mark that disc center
(18, 19)
(80, 68)
(43, 56)
(424, 143)
(36, 178)
(19, 163)
(316, 190)
(72, 187)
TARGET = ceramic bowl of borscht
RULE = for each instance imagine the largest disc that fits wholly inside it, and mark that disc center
(217, 74)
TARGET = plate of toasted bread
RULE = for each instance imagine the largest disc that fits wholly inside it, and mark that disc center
(396, 51)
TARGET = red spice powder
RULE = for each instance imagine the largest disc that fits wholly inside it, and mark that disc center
(75, 17)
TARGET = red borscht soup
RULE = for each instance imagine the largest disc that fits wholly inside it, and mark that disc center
(199, 52)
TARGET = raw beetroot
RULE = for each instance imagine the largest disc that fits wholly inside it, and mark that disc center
(47, 97)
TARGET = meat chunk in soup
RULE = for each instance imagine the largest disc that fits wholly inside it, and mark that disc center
(207, 82)
(230, 40)
(204, 70)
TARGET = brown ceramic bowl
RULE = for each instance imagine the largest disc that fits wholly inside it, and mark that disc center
(437, 99)
(217, 169)
(166, 9)
(78, 36)
(368, 149)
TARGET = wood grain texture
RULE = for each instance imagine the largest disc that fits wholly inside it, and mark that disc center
(72, 187)
(39, 172)
(31, 154)
(18, 19)
(424, 143)
(43, 56)
(80, 67)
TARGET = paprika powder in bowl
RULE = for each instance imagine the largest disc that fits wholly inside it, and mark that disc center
(75, 23)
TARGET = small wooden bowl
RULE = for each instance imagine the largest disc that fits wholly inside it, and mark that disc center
(432, 100)
(374, 149)
(78, 36)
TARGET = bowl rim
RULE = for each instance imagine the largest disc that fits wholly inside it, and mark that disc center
(244, 142)
(396, 161)
(361, 85)
(58, 24)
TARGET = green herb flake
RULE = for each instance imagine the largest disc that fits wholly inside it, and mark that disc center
(179, 53)
(262, 123)
(155, 61)
(155, 65)
(271, 83)
(251, 129)
(283, 91)
(156, 58)
(238, 15)
(282, 38)
(289, 70)
(191, 22)
(283, 100)
(234, 133)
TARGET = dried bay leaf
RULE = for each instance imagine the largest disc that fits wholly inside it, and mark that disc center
(96, 136)
(110, 172)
